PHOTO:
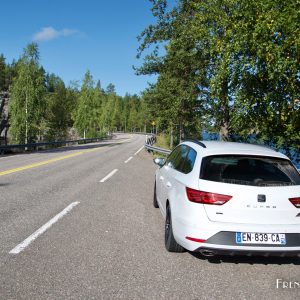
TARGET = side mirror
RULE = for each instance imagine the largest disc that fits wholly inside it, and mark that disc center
(159, 161)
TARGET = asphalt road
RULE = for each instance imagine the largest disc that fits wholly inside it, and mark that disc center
(110, 245)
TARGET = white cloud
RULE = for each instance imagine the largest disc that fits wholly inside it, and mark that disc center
(50, 33)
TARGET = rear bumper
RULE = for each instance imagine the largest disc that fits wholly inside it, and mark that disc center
(248, 252)
(224, 243)
(218, 235)
(228, 238)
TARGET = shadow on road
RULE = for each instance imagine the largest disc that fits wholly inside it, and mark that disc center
(253, 260)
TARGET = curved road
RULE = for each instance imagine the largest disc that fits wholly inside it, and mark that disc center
(78, 223)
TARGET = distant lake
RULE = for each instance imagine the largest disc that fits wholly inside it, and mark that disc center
(294, 155)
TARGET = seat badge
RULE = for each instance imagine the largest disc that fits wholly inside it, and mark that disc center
(261, 198)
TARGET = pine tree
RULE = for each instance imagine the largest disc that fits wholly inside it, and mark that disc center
(2, 73)
(59, 109)
(117, 113)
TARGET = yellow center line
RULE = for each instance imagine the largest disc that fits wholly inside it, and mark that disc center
(45, 162)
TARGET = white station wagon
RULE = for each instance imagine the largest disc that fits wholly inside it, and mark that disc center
(229, 198)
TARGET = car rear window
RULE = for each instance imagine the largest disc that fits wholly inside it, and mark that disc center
(249, 170)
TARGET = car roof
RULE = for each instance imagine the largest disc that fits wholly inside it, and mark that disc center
(218, 147)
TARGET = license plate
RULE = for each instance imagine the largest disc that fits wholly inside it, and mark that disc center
(260, 238)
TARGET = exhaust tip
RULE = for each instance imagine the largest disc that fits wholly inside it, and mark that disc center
(207, 253)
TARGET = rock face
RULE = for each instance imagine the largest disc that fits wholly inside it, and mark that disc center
(4, 117)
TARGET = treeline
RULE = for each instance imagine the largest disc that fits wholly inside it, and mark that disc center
(42, 108)
(226, 66)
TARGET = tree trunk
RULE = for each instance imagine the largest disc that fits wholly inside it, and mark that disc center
(181, 132)
(224, 130)
(171, 138)
(2, 99)
(224, 118)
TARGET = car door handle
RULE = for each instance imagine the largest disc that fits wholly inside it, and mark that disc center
(168, 184)
(161, 178)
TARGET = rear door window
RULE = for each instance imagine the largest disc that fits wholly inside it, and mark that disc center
(179, 160)
(172, 157)
(189, 162)
(178, 164)
(182, 159)
(249, 170)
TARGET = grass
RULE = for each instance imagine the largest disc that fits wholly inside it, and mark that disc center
(162, 141)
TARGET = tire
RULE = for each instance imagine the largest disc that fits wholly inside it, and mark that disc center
(155, 204)
(170, 243)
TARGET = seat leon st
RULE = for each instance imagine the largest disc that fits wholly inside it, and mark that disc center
(229, 198)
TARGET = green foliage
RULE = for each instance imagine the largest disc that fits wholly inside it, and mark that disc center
(27, 91)
(110, 89)
(101, 111)
(7, 73)
(88, 106)
(43, 108)
(225, 64)
(2, 73)
(162, 141)
(59, 107)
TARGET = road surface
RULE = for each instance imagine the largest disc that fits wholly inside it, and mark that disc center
(78, 223)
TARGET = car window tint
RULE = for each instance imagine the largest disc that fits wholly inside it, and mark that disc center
(180, 158)
(171, 158)
(177, 157)
(249, 170)
(189, 162)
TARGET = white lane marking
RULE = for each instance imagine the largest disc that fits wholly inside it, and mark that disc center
(42, 229)
(129, 159)
(109, 175)
(139, 150)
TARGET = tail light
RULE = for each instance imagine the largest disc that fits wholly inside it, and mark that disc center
(206, 197)
(295, 201)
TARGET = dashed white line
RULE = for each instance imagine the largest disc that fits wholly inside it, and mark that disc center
(42, 229)
(109, 175)
(129, 159)
(139, 150)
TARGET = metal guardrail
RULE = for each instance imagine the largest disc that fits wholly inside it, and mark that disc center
(157, 149)
(150, 140)
(35, 146)
(135, 132)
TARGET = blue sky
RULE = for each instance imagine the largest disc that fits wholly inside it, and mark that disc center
(76, 36)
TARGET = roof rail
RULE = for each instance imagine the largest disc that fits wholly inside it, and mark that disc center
(196, 142)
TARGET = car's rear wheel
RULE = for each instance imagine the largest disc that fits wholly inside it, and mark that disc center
(170, 242)
(155, 204)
